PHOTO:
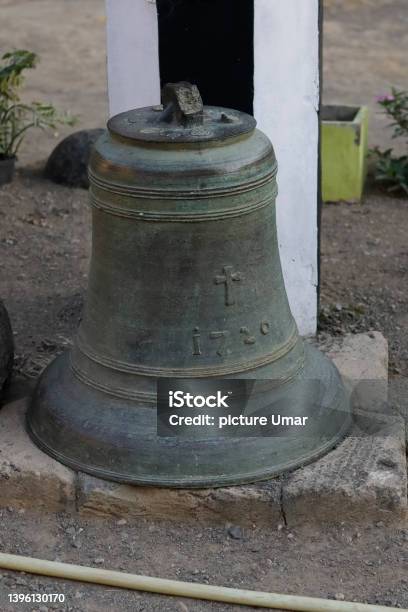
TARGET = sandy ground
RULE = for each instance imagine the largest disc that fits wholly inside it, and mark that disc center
(44, 250)
(369, 565)
(365, 51)
(69, 37)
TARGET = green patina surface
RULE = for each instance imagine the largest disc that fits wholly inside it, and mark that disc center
(186, 283)
(344, 152)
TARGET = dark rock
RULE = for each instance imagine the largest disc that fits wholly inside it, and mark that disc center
(235, 532)
(7, 167)
(68, 163)
(6, 347)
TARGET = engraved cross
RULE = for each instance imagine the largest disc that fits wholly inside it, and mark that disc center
(227, 279)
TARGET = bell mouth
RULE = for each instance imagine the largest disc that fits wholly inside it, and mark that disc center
(114, 439)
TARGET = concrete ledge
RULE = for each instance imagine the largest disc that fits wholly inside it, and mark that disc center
(362, 360)
(28, 477)
(363, 479)
(242, 505)
(361, 356)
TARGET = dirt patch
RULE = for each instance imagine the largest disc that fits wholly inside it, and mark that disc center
(363, 566)
(44, 254)
(364, 259)
(365, 50)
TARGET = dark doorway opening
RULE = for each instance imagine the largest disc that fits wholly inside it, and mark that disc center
(209, 43)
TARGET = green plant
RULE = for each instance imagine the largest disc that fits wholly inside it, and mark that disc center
(16, 118)
(392, 170)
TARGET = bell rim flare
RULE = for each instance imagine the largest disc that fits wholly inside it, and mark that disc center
(176, 454)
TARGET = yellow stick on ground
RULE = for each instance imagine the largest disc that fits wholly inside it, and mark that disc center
(122, 580)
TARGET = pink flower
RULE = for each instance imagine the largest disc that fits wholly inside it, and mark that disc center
(385, 98)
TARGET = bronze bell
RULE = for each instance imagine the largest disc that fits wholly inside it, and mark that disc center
(185, 282)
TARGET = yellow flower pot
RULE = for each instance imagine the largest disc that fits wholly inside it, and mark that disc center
(344, 145)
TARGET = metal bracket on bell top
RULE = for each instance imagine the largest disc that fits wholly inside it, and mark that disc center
(182, 104)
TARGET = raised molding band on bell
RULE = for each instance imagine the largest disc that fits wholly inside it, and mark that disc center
(195, 372)
(181, 194)
(147, 215)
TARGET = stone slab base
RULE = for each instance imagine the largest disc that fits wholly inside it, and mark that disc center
(28, 477)
(363, 479)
